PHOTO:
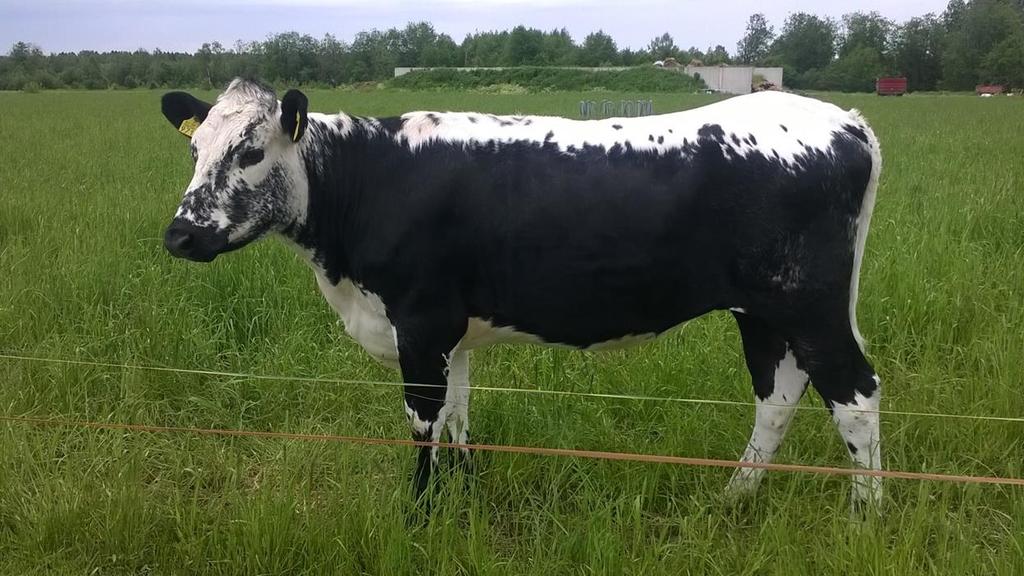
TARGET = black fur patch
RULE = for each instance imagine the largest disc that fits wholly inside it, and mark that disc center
(857, 132)
(294, 117)
(180, 106)
(711, 131)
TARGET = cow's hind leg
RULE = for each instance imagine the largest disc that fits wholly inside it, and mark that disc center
(778, 386)
(851, 391)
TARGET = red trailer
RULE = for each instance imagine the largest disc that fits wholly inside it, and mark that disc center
(891, 86)
(995, 89)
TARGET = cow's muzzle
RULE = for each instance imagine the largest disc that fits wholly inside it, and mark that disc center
(199, 244)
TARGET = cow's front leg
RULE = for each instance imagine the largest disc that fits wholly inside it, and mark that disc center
(424, 353)
(457, 403)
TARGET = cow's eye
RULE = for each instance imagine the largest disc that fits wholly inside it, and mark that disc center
(250, 158)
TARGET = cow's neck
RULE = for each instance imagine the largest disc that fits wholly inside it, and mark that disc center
(334, 157)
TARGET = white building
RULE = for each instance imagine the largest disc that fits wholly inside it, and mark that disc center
(734, 79)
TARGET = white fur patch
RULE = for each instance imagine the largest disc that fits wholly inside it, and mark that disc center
(858, 424)
(772, 418)
(863, 221)
(419, 426)
(339, 124)
(457, 397)
(365, 318)
(481, 333)
(808, 123)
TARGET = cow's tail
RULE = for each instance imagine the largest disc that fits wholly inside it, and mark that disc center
(863, 221)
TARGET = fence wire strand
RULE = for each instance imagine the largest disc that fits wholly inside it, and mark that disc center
(475, 388)
(532, 450)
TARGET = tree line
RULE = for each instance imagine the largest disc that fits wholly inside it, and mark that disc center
(971, 42)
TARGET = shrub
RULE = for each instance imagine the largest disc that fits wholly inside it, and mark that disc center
(540, 79)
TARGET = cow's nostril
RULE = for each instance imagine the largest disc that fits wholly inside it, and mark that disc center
(179, 242)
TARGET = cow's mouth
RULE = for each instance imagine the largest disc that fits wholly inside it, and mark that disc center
(184, 239)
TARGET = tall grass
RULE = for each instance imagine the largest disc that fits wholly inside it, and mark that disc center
(87, 182)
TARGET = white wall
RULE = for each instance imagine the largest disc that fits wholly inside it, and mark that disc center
(734, 79)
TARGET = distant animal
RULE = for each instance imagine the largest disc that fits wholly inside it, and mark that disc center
(435, 233)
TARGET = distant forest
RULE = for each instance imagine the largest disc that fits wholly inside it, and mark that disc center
(971, 42)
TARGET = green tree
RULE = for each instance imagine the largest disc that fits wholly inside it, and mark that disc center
(484, 48)
(663, 47)
(331, 60)
(412, 41)
(757, 42)
(807, 42)
(953, 15)
(598, 50)
(374, 55)
(856, 71)
(870, 30)
(524, 47)
(288, 57)
(25, 54)
(1004, 64)
(209, 59)
(442, 52)
(717, 55)
(558, 48)
(917, 52)
(628, 57)
(973, 31)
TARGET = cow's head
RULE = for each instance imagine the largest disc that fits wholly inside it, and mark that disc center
(248, 173)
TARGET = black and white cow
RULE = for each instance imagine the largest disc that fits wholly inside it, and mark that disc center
(435, 233)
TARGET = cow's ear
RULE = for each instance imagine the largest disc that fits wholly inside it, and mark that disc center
(184, 111)
(294, 107)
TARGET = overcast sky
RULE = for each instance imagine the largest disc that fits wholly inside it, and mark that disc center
(66, 25)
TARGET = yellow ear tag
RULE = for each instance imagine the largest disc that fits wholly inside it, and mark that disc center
(188, 127)
(298, 124)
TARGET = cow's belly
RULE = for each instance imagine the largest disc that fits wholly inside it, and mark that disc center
(481, 333)
(365, 319)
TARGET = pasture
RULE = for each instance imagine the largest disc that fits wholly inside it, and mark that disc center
(88, 180)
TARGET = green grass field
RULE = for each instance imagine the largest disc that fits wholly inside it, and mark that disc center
(89, 180)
